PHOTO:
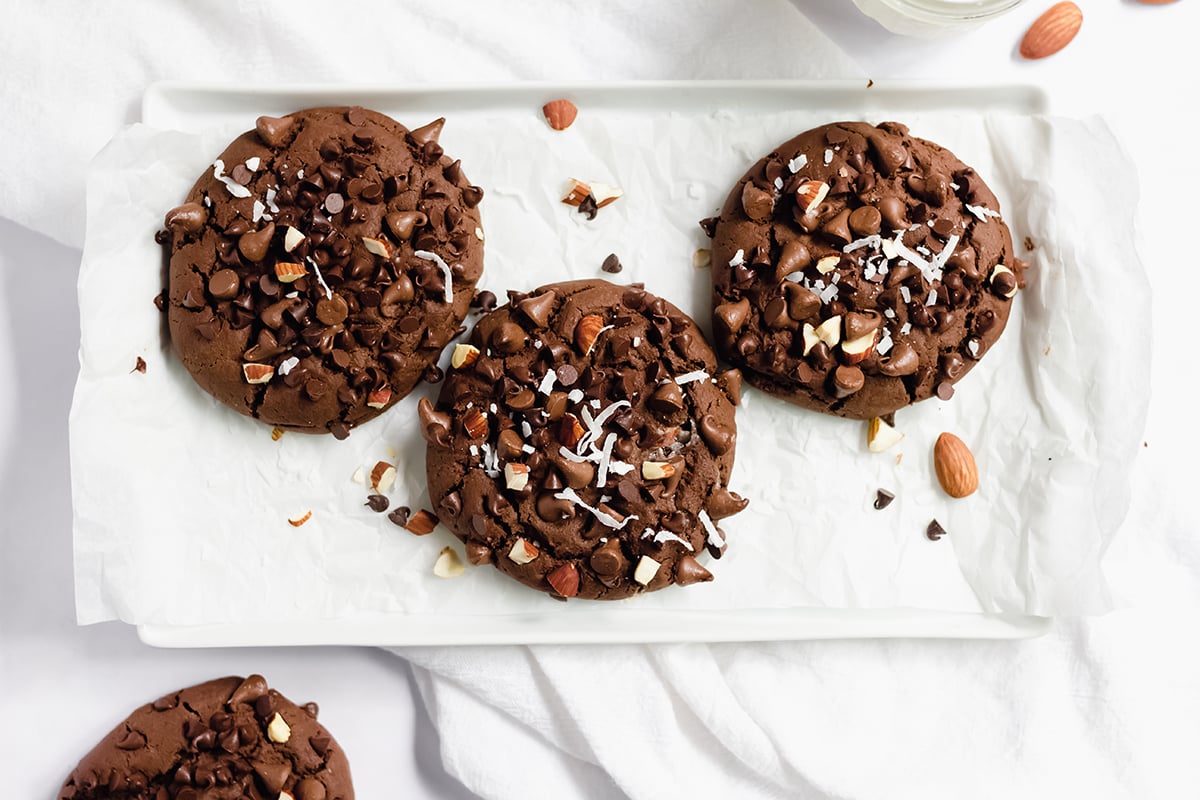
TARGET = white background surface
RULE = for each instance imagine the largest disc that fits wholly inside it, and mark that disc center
(61, 687)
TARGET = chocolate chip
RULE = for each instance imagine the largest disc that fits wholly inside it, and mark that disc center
(274, 130)
(588, 207)
(377, 503)
(399, 516)
(223, 284)
(539, 307)
(758, 203)
(612, 264)
(934, 530)
(189, 217)
(334, 203)
(484, 301)
(253, 245)
(131, 740)
(688, 571)
(883, 498)
(945, 390)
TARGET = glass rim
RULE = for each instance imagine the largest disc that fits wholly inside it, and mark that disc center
(946, 11)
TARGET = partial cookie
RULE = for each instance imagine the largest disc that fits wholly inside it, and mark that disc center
(228, 739)
(583, 442)
(858, 269)
(320, 265)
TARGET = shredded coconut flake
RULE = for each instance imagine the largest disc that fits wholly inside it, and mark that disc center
(779, 184)
(444, 267)
(874, 241)
(885, 344)
(606, 519)
(798, 163)
(931, 300)
(320, 278)
(666, 536)
(575, 395)
(289, 364)
(887, 312)
(491, 460)
(253, 163)
(828, 156)
(688, 377)
(526, 429)
(906, 294)
(939, 261)
(605, 460)
(547, 384)
(905, 328)
(982, 212)
(235, 188)
(714, 536)
(259, 210)
(738, 259)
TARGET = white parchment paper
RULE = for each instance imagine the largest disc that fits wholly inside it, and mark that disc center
(182, 506)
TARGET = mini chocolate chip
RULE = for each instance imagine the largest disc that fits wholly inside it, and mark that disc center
(935, 530)
(945, 390)
(611, 264)
(377, 503)
(399, 516)
(567, 375)
(883, 498)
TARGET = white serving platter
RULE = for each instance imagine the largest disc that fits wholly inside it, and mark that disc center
(196, 107)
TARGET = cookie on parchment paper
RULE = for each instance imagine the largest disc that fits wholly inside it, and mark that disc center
(320, 266)
(583, 442)
(857, 269)
(227, 739)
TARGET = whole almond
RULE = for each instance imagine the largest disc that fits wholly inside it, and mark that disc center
(586, 332)
(1052, 31)
(955, 466)
(560, 114)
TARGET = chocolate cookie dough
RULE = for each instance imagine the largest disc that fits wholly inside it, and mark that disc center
(320, 265)
(228, 739)
(858, 269)
(583, 442)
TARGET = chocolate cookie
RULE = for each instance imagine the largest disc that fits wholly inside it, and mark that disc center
(858, 269)
(321, 265)
(228, 739)
(583, 442)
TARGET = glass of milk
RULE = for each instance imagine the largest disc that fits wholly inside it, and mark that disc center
(931, 17)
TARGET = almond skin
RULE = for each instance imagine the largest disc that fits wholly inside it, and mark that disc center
(560, 114)
(955, 466)
(1052, 31)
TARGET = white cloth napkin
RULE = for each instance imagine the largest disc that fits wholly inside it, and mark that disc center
(1102, 708)
(74, 72)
